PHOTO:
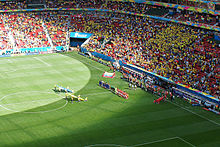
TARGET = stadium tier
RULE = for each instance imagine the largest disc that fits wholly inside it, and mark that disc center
(7, 5)
(4, 36)
(27, 30)
(57, 26)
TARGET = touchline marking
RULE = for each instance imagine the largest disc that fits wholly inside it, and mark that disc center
(212, 121)
(42, 61)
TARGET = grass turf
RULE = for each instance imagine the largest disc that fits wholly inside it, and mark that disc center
(104, 119)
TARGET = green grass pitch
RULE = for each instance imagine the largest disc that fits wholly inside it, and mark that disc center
(32, 114)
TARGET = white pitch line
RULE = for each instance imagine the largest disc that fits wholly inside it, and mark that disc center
(161, 140)
(8, 109)
(88, 64)
(49, 110)
(42, 61)
(147, 143)
(186, 142)
(35, 100)
(35, 112)
(212, 121)
(93, 66)
(30, 101)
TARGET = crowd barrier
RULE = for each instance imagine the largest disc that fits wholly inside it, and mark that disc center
(103, 57)
(200, 25)
(30, 51)
(26, 51)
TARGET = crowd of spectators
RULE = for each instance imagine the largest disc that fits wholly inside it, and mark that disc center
(61, 4)
(139, 7)
(199, 4)
(57, 26)
(142, 8)
(136, 7)
(27, 30)
(4, 36)
(196, 17)
(75, 3)
(8, 5)
(184, 54)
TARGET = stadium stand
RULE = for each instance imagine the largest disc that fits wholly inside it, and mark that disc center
(7, 5)
(4, 36)
(75, 3)
(57, 25)
(27, 30)
(159, 47)
(184, 54)
(183, 15)
(196, 17)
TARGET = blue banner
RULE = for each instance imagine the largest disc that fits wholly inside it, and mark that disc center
(80, 35)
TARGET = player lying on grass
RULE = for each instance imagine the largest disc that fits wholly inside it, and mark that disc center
(75, 98)
(62, 89)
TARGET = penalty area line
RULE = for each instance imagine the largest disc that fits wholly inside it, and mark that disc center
(212, 121)
(147, 143)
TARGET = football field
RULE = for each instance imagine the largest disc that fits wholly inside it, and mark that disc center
(32, 114)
